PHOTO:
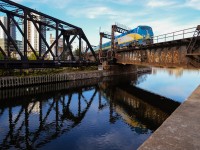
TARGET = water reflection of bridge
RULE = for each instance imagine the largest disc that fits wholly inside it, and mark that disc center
(147, 109)
(39, 118)
(48, 123)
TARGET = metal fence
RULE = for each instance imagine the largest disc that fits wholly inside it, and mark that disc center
(177, 35)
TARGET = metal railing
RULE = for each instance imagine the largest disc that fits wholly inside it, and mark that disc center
(177, 35)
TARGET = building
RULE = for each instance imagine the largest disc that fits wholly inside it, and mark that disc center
(33, 36)
(4, 43)
(12, 29)
(66, 55)
(4, 39)
(60, 45)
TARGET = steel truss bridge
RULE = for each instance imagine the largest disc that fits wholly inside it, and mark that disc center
(171, 50)
(46, 54)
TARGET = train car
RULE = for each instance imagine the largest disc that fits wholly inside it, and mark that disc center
(105, 46)
(142, 35)
(138, 36)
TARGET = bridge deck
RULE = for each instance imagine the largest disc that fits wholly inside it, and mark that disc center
(181, 129)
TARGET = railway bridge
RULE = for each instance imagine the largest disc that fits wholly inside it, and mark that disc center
(180, 48)
(175, 49)
(29, 47)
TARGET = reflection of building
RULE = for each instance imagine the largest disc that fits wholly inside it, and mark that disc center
(178, 72)
(34, 107)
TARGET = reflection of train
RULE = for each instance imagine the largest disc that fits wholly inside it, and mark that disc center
(141, 35)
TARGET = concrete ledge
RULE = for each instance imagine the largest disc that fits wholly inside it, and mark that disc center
(181, 130)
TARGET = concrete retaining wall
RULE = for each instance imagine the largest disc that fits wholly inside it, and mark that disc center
(181, 130)
(6, 82)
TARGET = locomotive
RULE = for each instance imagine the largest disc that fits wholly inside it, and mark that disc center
(142, 35)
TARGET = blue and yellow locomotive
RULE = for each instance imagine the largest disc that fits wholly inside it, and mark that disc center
(142, 35)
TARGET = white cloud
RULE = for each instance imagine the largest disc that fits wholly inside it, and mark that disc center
(193, 4)
(59, 3)
(122, 1)
(169, 25)
(53, 3)
(107, 13)
(31, 1)
(17, 1)
(93, 12)
(160, 3)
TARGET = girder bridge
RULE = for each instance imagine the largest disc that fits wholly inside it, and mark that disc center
(175, 49)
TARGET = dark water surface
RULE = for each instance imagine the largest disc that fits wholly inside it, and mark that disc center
(107, 114)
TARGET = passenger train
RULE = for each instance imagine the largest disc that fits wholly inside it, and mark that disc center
(142, 35)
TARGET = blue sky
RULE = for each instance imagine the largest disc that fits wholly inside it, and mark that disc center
(162, 15)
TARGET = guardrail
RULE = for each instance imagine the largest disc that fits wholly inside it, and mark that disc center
(176, 35)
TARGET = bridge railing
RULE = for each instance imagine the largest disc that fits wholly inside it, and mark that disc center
(176, 35)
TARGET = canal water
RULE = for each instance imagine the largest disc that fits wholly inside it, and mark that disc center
(112, 113)
(177, 83)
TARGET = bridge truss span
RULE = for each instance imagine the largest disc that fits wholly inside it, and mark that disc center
(31, 45)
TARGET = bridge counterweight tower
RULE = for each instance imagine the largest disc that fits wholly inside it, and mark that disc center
(115, 28)
(110, 54)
